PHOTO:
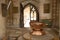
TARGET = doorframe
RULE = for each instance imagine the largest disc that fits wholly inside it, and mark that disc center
(22, 14)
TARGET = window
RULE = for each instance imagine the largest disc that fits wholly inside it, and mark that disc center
(47, 8)
(33, 13)
(4, 9)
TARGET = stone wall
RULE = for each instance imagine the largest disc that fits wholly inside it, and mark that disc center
(41, 10)
(16, 16)
(2, 21)
(39, 5)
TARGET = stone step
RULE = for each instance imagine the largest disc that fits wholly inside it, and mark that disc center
(14, 33)
(12, 38)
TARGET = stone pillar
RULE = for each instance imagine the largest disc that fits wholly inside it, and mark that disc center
(16, 16)
(9, 18)
(55, 13)
(2, 22)
(59, 18)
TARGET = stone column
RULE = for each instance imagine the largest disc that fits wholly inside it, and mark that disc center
(9, 18)
(55, 14)
(59, 18)
(2, 22)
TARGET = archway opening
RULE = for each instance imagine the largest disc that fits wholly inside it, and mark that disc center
(30, 13)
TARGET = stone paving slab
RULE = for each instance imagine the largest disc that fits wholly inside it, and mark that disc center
(47, 36)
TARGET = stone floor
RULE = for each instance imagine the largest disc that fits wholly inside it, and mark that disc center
(18, 34)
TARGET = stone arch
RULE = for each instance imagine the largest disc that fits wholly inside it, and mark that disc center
(29, 20)
(24, 4)
(35, 8)
(34, 2)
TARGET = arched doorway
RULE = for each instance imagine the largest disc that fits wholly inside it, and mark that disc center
(30, 12)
